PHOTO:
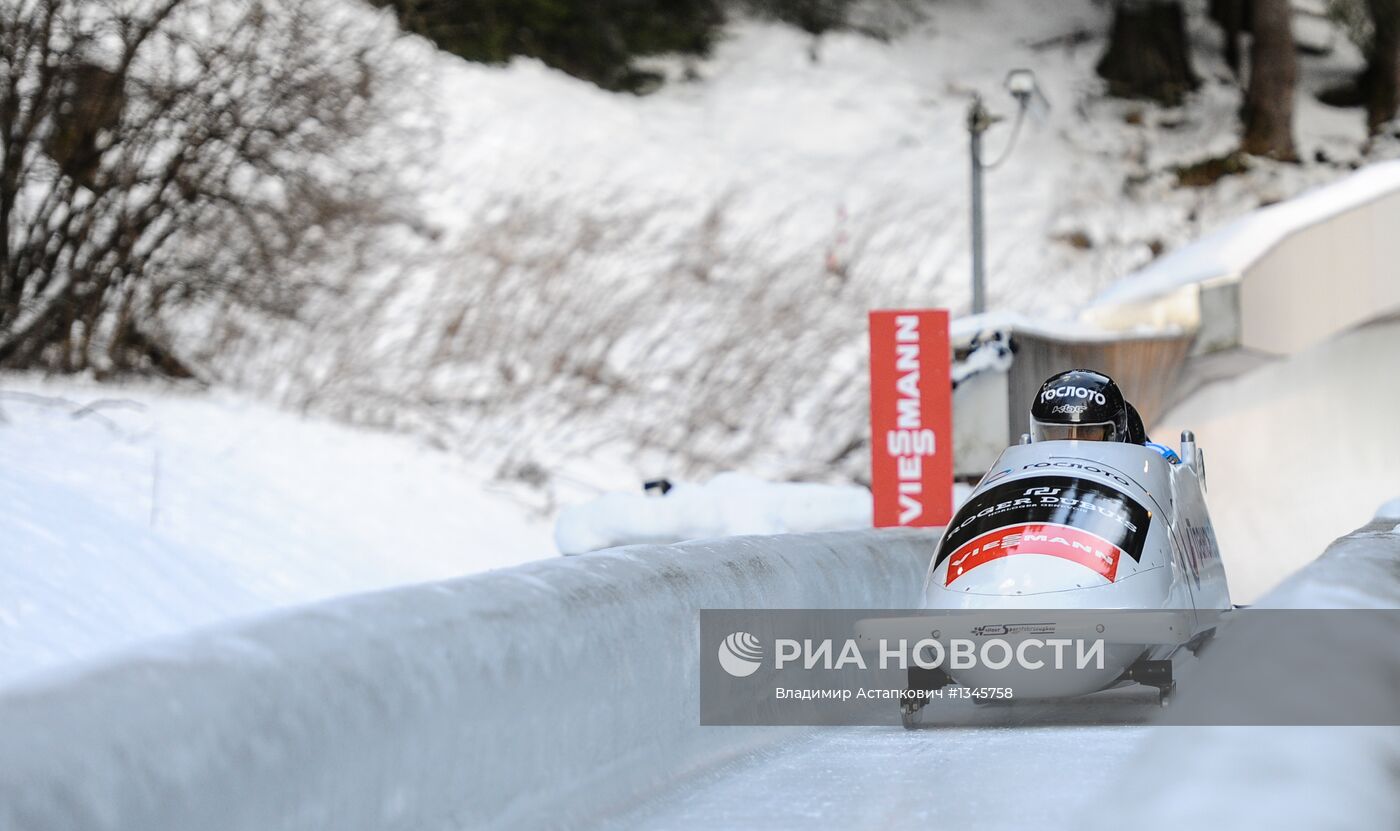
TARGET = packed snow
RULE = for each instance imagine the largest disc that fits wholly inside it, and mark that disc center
(727, 505)
(130, 513)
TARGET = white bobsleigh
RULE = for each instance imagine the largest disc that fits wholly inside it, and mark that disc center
(1056, 533)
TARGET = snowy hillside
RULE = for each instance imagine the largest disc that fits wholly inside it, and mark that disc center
(676, 284)
(128, 513)
(602, 289)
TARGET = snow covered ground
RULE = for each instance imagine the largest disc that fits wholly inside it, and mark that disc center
(128, 513)
(698, 261)
(851, 147)
(728, 505)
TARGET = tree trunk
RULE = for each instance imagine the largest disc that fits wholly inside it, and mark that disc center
(1273, 69)
(1148, 55)
(1383, 73)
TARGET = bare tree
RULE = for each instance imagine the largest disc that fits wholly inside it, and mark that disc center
(1148, 54)
(162, 153)
(1273, 70)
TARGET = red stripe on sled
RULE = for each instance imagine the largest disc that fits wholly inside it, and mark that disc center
(1051, 540)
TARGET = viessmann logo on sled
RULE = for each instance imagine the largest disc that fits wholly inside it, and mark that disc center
(1089, 550)
(1074, 519)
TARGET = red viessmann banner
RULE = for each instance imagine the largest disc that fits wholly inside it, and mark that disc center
(911, 418)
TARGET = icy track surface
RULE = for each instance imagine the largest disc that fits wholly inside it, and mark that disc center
(1044, 766)
(888, 777)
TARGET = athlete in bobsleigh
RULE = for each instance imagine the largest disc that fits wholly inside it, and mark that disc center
(1084, 405)
(1084, 515)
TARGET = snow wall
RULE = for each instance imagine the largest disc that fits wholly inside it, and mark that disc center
(542, 695)
(1294, 777)
(1298, 452)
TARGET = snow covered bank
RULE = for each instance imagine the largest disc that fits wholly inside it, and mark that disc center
(1298, 452)
(729, 505)
(538, 696)
(155, 512)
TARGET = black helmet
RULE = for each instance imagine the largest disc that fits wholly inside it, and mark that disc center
(1080, 404)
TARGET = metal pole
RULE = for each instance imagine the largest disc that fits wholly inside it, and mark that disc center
(978, 119)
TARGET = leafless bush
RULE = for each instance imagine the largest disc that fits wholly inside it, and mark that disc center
(665, 338)
(162, 155)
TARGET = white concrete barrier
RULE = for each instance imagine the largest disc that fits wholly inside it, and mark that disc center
(1279, 279)
(1284, 777)
(543, 695)
(1274, 282)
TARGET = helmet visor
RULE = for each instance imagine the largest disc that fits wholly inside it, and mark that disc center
(1098, 431)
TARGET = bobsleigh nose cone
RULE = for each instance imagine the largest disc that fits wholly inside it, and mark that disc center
(1023, 574)
(1026, 574)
